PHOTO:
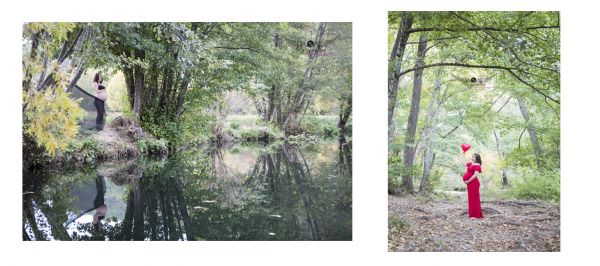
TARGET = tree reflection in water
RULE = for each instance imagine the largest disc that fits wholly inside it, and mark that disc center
(240, 193)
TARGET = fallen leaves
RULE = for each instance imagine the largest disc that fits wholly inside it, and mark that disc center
(444, 226)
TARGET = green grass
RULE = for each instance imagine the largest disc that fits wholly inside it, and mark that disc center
(395, 222)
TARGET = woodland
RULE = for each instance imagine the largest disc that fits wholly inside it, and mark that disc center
(490, 80)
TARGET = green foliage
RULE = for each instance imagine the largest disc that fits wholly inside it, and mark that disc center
(395, 167)
(265, 134)
(528, 44)
(151, 146)
(320, 125)
(81, 151)
(397, 223)
(544, 185)
(163, 128)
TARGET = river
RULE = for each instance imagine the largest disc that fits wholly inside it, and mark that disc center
(277, 192)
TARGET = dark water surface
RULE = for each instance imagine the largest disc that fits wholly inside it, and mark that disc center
(280, 192)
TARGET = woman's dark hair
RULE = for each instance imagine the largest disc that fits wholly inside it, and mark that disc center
(97, 78)
(477, 158)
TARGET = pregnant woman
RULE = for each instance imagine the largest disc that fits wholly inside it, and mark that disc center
(99, 101)
(470, 179)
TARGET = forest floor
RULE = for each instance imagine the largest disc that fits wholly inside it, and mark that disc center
(417, 223)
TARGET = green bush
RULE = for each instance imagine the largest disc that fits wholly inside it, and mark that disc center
(257, 134)
(234, 125)
(397, 223)
(83, 150)
(538, 185)
(152, 146)
(394, 172)
(319, 125)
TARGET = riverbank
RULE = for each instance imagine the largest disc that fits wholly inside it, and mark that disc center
(417, 223)
(121, 139)
(251, 129)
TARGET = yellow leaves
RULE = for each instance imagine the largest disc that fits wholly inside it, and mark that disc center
(51, 118)
(55, 29)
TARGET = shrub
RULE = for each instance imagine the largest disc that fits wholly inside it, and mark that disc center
(152, 146)
(319, 125)
(257, 134)
(394, 173)
(396, 223)
(543, 185)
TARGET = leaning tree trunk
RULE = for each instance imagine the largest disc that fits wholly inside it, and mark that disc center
(79, 56)
(501, 155)
(537, 149)
(67, 49)
(413, 117)
(429, 131)
(394, 67)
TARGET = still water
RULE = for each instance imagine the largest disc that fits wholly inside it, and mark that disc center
(278, 192)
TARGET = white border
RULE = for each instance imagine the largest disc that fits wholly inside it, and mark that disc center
(580, 99)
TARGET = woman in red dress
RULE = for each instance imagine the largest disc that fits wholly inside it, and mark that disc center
(470, 179)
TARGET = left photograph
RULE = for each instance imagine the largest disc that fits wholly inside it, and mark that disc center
(187, 131)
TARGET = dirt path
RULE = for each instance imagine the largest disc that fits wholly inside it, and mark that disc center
(109, 135)
(419, 224)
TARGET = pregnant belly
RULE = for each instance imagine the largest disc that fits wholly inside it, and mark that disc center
(466, 176)
(102, 95)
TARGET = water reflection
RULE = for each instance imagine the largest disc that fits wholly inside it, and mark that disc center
(240, 193)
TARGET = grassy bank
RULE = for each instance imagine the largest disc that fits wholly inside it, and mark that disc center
(250, 128)
(121, 139)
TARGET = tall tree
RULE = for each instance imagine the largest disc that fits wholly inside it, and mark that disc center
(429, 131)
(411, 127)
(395, 67)
(537, 149)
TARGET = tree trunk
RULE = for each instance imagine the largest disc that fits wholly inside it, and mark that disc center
(138, 212)
(139, 84)
(272, 96)
(345, 111)
(35, 41)
(394, 67)
(182, 90)
(413, 117)
(163, 91)
(66, 50)
(270, 103)
(130, 84)
(127, 224)
(501, 155)
(537, 149)
(300, 97)
(430, 131)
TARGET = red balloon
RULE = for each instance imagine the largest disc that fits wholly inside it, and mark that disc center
(465, 147)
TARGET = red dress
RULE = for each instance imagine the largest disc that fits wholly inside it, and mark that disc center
(473, 191)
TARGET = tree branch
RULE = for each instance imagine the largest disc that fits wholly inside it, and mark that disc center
(487, 28)
(508, 69)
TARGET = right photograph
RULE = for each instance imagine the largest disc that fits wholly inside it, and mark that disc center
(474, 131)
